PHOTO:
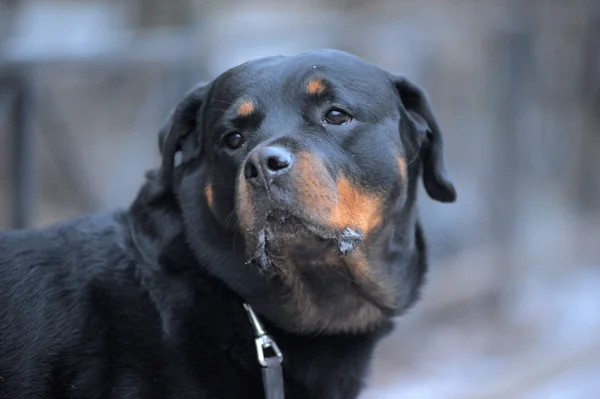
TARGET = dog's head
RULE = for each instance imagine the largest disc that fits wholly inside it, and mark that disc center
(312, 162)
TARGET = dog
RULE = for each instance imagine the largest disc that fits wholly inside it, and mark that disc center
(282, 218)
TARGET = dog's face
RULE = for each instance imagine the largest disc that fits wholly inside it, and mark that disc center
(312, 160)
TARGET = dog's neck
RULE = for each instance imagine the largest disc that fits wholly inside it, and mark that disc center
(173, 274)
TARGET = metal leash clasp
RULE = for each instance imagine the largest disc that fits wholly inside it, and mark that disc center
(272, 373)
(263, 340)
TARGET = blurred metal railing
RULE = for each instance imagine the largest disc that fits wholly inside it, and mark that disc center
(20, 61)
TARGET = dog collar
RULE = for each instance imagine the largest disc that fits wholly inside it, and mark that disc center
(272, 373)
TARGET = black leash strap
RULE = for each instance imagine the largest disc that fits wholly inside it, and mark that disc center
(272, 373)
(273, 379)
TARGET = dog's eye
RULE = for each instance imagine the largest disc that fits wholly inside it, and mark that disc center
(337, 117)
(234, 140)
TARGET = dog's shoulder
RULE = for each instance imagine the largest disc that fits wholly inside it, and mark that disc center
(74, 299)
(47, 275)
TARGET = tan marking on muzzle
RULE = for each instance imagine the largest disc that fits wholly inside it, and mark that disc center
(244, 207)
(315, 188)
(336, 205)
(356, 208)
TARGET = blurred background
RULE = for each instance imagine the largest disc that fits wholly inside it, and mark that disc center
(512, 305)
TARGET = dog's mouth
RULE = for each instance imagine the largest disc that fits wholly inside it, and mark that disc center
(288, 246)
(283, 235)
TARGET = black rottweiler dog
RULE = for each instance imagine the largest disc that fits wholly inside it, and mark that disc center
(287, 183)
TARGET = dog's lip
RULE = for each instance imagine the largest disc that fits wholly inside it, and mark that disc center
(281, 224)
(346, 239)
(284, 228)
(282, 219)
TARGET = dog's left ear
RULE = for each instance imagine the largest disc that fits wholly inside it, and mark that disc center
(419, 113)
(176, 134)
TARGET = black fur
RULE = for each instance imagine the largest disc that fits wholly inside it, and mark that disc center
(147, 302)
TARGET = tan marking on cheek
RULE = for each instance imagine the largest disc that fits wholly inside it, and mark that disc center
(208, 192)
(370, 279)
(245, 108)
(300, 299)
(363, 315)
(359, 265)
(315, 87)
(244, 208)
(355, 208)
(402, 168)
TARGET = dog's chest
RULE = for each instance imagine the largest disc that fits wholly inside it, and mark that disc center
(192, 342)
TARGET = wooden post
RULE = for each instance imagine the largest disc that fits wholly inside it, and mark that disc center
(23, 167)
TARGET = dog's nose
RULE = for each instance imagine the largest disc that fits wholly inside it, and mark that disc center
(269, 162)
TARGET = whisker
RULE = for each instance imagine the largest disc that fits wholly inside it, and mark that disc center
(229, 218)
(219, 109)
(415, 157)
(226, 102)
(347, 277)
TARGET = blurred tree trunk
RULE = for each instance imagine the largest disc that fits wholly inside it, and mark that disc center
(587, 178)
(510, 59)
(8, 10)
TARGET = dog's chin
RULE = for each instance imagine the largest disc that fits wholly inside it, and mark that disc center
(272, 243)
(283, 237)
(314, 267)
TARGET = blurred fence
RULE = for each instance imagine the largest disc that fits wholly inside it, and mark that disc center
(85, 86)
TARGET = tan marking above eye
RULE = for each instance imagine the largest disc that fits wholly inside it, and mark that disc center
(245, 108)
(315, 87)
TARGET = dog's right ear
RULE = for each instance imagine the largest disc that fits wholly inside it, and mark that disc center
(418, 110)
(176, 134)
